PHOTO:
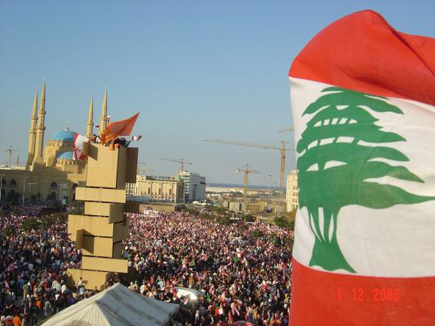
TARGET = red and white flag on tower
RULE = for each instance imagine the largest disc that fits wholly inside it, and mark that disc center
(363, 102)
(79, 141)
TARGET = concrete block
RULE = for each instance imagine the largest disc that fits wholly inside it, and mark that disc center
(131, 168)
(120, 231)
(92, 225)
(97, 246)
(115, 212)
(91, 150)
(92, 280)
(132, 207)
(115, 218)
(117, 250)
(79, 239)
(101, 195)
(102, 157)
(86, 148)
(122, 167)
(102, 177)
(105, 264)
(106, 168)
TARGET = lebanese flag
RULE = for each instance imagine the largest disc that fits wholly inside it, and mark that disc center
(79, 141)
(363, 102)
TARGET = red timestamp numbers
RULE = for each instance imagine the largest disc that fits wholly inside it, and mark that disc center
(375, 294)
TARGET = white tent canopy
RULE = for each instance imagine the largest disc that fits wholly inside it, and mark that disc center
(116, 306)
(191, 293)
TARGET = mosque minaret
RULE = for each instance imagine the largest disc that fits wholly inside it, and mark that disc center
(103, 120)
(32, 131)
(40, 129)
(90, 124)
(51, 171)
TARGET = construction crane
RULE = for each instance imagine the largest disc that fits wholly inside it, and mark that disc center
(281, 149)
(141, 170)
(287, 129)
(181, 161)
(246, 172)
(10, 150)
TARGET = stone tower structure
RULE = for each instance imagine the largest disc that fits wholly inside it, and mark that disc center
(100, 231)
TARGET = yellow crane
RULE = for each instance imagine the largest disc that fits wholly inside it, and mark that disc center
(181, 161)
(282, 150)
(246, 172)
(10, 150)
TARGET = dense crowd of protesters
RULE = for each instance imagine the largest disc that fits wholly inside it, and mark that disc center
(238, 271)
(241, 277)
(32, 268)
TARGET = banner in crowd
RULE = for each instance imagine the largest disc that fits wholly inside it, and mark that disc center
(363, 102)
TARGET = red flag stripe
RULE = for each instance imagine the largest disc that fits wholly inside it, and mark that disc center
(363, 53)
(331, 299)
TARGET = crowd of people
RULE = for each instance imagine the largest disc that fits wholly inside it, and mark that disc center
(32, 268)
(241, 277)
(239, 271)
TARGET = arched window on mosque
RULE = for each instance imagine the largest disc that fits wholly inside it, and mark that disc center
(4, 183)
(53, 186)
(13, 183)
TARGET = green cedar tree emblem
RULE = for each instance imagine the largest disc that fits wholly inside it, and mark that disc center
(333, 174)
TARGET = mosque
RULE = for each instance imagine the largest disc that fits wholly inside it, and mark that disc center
(51, 172)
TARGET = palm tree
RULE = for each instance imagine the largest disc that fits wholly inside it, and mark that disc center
(339, 151)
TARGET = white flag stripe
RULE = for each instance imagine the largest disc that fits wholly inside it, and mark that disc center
(397, 241)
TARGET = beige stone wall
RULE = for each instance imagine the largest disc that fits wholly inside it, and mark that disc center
(52, 176)
(167, 190)
(43, 181)
(53, 148)
(292, 198)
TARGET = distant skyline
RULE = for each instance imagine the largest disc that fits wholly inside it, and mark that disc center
(195, 70)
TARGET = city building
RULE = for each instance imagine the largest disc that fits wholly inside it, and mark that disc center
(194, 186)
(51, 172)
(292, 191)
(163, 189)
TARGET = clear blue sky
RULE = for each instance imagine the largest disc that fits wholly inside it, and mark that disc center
(194, 69)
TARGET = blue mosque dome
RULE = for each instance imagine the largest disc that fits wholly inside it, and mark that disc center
(66, 156)
(64, 135)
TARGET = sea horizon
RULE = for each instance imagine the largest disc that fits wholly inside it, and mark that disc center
(235, 185)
